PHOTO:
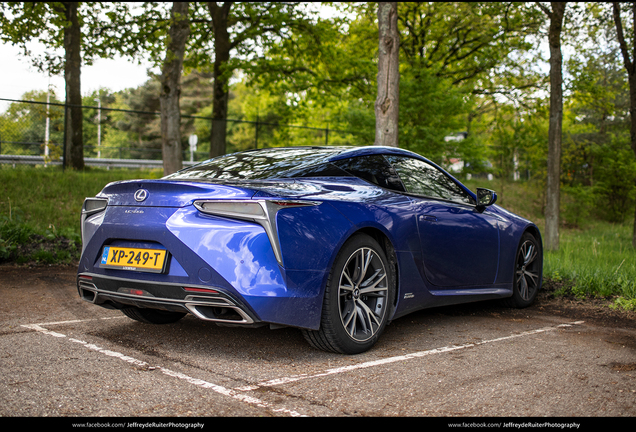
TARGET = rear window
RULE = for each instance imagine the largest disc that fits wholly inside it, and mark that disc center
(374, 169)
(263, 164)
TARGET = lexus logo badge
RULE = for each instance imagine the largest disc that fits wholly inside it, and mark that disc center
(141, 195)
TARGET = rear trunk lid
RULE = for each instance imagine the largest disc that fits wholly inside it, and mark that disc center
(162, 193)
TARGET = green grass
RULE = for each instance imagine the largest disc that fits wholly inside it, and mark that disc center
(49, 198)
(40, 209)
(597, 262)
(522, 198)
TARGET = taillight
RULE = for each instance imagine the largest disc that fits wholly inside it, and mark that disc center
(263, 212)
(94, 205)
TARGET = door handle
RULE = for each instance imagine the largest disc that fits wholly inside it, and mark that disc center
(428, 218)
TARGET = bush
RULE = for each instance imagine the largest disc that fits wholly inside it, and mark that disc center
(21, 244)
(576, 204)
(614, 181)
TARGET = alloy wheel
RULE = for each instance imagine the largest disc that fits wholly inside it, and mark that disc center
(362, 293)
(528, 271)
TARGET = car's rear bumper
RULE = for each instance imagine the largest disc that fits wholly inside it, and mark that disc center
(203, 302)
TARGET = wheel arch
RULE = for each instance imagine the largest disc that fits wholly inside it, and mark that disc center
(328, 336)
(389, 251)
(517, 299)
(532, 229)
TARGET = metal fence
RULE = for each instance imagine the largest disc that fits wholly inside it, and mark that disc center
(35, 128)
(96, 162)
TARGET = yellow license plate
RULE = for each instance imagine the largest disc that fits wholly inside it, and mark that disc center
(123, 258)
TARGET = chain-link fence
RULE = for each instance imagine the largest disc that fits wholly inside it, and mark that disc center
(37, 128)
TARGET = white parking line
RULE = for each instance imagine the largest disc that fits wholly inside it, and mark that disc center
(80, 321)
(285, 380)
(237, 394)
(140, 363)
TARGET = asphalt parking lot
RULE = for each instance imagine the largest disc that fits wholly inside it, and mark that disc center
(63, 357)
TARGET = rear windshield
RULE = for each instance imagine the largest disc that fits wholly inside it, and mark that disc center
(263, 164)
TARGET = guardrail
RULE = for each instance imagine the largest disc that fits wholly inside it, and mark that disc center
(101, 162)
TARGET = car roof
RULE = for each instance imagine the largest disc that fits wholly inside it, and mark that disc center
(334, 153)
(348, 152)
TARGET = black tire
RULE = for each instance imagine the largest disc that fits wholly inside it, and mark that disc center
(528, 273)
(357, 299)
(152, 316)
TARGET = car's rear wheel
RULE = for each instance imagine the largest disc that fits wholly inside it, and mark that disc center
(528, 272)
(357, 299)
(152, 316)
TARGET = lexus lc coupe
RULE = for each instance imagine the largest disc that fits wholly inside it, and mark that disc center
(335, 241)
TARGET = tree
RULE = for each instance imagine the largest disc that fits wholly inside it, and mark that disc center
(222, 46)
(553, 187)
(627, 43)
(23, 125)
(74, 152)
(326, 72)
(387, 101)
(57, 25)
(244, 28)
(224, 37)
(170, 88)
(162, 34)
(459, 62)
(74, 28)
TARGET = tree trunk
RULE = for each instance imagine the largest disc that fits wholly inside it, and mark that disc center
(631, 77)
(222, 46)
(171, 89)
(74, 154)
(387, 102)
(553, 191)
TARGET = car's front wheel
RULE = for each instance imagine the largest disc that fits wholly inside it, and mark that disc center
(152, 316)
(528, 272)
(357, 299)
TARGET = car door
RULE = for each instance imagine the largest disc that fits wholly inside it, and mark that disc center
(460, 245)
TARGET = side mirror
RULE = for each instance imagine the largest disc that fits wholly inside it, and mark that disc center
(485, 198)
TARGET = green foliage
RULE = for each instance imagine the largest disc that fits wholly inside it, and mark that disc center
(597, 159)
(23, 125)
(599, 262)
(40, 208)
(49, 198)
(22, 244)
(24, 22)
(614, 180)
(423, 126)
(576, 204)
(469, 43)
(623, 303)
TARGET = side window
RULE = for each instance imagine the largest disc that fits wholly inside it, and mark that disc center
(374, 169)
(420, 178)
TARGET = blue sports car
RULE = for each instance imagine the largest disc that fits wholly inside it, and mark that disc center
(336, 241)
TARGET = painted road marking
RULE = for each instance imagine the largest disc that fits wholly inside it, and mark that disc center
(285, 380)
(240, 396)
(239, 392)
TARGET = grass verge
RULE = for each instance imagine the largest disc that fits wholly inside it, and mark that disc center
(597, 262)
(40, 210)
